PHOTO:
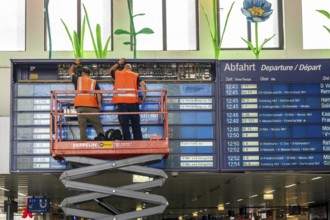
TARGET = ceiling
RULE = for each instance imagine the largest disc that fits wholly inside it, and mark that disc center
(188, 192)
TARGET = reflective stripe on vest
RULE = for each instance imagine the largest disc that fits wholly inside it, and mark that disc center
(127, 94)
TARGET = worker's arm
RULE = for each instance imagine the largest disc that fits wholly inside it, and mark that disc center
(73, 67)
(115, 66)
(144, 88)
(99, 101)
(98, 96)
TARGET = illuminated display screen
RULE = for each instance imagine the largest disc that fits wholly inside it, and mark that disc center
(275, 115)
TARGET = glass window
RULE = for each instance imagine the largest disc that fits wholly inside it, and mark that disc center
(99, 12)
(315, 36)
(152, 19)
(181, 25)
(180, 19)
(232, 38)
(65, 10)
(12, 25)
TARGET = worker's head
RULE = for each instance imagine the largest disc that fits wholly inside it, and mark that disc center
(128, 66)
(85, 71)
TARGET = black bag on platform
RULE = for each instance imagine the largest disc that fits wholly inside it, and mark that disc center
(113, 134)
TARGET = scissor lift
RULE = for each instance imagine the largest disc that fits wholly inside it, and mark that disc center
(98, 157)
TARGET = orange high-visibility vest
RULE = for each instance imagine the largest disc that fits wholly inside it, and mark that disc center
(85, 99)
(126, 87)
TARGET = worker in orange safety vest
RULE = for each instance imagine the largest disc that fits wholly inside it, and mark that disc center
(126, 97)
(86, 102)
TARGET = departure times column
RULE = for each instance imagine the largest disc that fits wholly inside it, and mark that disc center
(275, 115)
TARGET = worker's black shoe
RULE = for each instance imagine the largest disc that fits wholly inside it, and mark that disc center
(100, 137)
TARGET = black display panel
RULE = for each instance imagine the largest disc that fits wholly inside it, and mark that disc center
(275, 114)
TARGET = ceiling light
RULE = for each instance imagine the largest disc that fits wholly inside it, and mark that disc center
(227, 203)
(316, 178)
(21, 194)
(238, 200)
(268, 196)
(4, 189)
(141, 179)
(270, 191)
(254, 196)
(288, 186)
(195, 214)
(138, 207)
(221, 207)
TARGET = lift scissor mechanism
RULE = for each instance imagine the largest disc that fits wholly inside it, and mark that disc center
(94, 158)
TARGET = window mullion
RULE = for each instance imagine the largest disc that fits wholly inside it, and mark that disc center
(79, 18)
(197, 24)
(164, 26)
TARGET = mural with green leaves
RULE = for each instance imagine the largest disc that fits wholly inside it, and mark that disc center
(50, 49)
(327, 15)
(77, 43)
(133, 33)
(100, 52)
(213, 28)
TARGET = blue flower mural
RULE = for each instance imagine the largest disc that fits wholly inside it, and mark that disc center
(257, 11)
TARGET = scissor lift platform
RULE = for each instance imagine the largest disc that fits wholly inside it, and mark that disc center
(109, 149)
(106, 149)
(99, 157)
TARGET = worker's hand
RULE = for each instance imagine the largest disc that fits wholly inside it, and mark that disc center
(142, 99)
(77, 61)
(121, 61)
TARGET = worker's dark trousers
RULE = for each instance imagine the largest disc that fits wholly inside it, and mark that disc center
(133, 118)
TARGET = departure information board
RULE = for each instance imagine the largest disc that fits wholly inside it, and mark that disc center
(275, 115)
(191, 111)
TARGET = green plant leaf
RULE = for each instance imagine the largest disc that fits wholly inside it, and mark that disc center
(68, 32)
(326, 28)
(105, 50)
(265, 41)
(99, 41)
(90, 31)
(325, 13)
(250, 45)
(76, 45)
(128, 43)
(82, 37)
(75, 42)
(122, 31)
(141, 14)
(213, 29)
(208, 21)
(225, 27)
(145, 31)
